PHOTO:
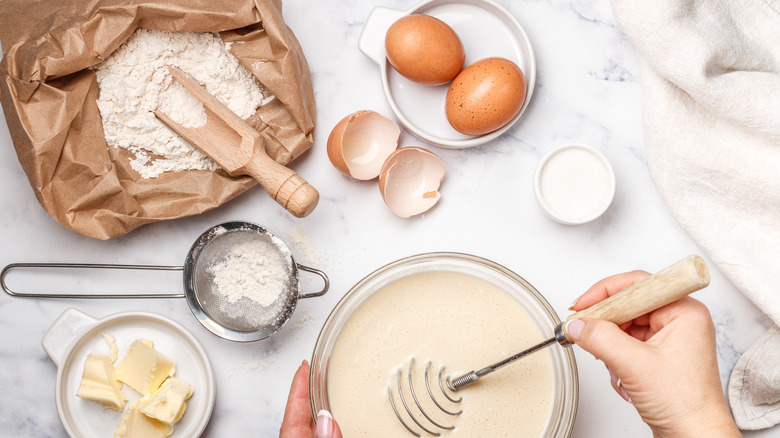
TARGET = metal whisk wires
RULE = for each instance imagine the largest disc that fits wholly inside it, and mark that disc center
(415, 411)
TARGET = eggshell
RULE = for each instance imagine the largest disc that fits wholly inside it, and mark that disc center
(424, 49)
(410, 180)
(485, 96)
(361, 142)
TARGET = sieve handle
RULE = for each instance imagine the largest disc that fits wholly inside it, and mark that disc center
(665, 286)
(321, 275)
(13, 266)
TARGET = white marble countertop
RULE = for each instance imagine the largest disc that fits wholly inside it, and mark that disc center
(587, 91)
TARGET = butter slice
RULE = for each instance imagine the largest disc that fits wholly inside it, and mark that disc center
(137, 425)
(167, 404)
(112, 348)
(99, 384)
(143, 368)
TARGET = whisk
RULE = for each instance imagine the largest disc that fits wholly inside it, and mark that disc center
(409, 408)
(665, 286)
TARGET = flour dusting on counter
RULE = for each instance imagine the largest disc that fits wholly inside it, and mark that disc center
(301, 241)
(134, 81)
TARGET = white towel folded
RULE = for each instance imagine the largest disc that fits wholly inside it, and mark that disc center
(711, 120)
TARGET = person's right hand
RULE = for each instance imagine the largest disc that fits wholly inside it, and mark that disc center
(663, 362)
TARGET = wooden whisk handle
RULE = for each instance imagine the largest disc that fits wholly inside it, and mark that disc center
(665, 286)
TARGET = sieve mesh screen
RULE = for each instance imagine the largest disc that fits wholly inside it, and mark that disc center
(244, 314)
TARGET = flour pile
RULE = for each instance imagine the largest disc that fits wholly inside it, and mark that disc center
(134, 81)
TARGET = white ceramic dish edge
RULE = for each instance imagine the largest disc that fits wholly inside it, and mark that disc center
(72, 326)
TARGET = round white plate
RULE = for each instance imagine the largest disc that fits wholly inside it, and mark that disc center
(485, 28)
(87, 419)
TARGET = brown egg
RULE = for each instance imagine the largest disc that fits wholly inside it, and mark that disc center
(424, 49)
(485, 96)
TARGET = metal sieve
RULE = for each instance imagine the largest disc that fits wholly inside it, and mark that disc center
(242, 320)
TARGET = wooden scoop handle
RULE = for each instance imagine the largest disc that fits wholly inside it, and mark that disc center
(665, 286)
(284, 185)
(239, 149)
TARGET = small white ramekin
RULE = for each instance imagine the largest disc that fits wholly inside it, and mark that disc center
(589, 194)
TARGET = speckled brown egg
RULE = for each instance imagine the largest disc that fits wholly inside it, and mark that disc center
(485, 96)
(424, 49)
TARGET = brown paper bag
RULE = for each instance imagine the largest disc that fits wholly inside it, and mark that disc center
(49, 95)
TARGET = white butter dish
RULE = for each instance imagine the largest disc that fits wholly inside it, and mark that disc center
(74, 335)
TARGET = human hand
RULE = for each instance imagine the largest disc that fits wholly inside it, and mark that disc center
(663, 362)
(298, 422)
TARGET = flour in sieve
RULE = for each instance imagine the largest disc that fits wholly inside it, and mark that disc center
(134, 81)
(254, 275)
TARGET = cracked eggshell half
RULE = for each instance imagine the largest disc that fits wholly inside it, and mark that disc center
(409, 181)
(361, 142)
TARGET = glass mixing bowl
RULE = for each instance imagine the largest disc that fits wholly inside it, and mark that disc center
(565, 393)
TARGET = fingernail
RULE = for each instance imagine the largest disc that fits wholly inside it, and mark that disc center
(573, 303)
(574, 328)
(305, 363)
(623, 393)
(324, 425)
(613, 376)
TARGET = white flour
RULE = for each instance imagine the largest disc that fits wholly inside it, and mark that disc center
(254, 271)
(134, 81)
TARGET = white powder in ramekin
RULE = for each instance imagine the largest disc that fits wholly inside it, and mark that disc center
(575, 184)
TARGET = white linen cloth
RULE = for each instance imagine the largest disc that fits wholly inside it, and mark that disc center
(756, 386)
(711, 120)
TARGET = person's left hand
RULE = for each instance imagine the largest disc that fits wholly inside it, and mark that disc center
(298, 422)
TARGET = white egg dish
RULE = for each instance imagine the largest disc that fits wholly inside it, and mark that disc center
(485, 28)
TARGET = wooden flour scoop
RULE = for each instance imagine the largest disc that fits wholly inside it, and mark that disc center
(239, 149)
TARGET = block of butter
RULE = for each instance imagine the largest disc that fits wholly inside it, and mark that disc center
(167, 404)
(99, 384)
(143, 368)
(137, 425)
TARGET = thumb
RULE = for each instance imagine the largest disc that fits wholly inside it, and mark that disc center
(337, 430)
(606, 341)
(326, 426)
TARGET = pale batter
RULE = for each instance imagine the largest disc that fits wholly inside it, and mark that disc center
(453, 319)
